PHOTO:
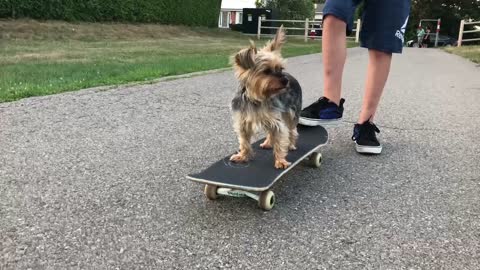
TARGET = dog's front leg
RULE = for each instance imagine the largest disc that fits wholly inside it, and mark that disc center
(281, 142)
(244, 132)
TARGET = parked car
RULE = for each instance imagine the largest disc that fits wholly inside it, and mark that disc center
(442, 41)
(318, 29)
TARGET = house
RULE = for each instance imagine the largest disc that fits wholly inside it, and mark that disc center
(231, 12)
(319, 11)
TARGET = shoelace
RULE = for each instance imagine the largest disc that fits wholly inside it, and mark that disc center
(368, 129)
(320, 102)
(375, 128)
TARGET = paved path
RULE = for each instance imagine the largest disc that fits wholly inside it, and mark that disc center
(96, 180)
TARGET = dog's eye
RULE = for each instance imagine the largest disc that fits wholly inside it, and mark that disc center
(268, 71)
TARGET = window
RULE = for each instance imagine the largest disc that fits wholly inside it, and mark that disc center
(240, 17)
(225, 18)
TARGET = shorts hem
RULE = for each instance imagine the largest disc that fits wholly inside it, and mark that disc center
(339, 15)
(381, 48)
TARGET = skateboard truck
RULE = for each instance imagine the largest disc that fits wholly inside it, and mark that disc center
(266, 199)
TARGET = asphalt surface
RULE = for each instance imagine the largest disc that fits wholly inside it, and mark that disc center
(96, 179)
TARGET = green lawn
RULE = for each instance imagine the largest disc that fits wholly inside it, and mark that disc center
(470, 52)
(41, 58)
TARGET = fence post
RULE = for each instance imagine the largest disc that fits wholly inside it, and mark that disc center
(259, 30)
(460, 33)
(438, 31)
(306, 29)
(357, 33)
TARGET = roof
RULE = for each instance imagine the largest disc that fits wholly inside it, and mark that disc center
(238, 4)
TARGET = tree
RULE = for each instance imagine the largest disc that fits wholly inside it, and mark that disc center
(451, 13)
(259, 3)
(292, 9)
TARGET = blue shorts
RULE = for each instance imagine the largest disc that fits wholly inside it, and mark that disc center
(383, 21)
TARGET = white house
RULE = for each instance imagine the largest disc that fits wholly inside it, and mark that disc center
(319, 11)
(231, 11)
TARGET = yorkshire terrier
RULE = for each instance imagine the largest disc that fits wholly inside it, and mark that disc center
(268, 98)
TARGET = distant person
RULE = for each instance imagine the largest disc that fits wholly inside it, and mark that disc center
(426, 39)
(420, 36)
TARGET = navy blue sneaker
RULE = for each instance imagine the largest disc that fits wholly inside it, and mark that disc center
(365, 139)
(322, 112)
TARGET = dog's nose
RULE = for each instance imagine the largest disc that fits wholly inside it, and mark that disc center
(284, 80)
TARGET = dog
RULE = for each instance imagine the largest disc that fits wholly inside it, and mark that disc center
(268, 98)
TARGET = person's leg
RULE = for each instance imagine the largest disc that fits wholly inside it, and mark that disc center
(338, 20)
(334, 52)
(383, 30)
(377, 74)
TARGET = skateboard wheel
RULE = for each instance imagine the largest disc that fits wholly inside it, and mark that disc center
(266, 201)
(210, 192)
(316, 159)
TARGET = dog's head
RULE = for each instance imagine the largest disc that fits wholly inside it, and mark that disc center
(261, 71)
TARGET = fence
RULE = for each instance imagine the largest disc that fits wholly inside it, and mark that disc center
(308, 29)
(462, 32)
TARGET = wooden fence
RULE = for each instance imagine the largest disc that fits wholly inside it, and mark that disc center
(308, 29)
(462, 32)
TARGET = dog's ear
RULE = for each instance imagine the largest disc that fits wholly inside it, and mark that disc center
(277, 42)
(244, 59)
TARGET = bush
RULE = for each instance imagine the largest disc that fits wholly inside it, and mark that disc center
(186, 12)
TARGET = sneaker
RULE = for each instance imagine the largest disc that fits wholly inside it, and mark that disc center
(365, 139)
(322, 112)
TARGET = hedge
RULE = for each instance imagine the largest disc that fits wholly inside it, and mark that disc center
(186, 12)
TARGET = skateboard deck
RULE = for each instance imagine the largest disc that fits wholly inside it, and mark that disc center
(259, 174)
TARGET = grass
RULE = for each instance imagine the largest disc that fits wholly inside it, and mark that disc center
(470, 52)
(42, 58)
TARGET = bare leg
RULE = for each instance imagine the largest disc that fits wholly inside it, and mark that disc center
(334, 52)
(377, 74)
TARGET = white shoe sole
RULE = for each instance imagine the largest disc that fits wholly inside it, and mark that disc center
(316, 122)
(365, 149)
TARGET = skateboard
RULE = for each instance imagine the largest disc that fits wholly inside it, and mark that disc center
(255, 178)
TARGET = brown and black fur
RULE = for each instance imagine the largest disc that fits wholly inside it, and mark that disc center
(268, 99)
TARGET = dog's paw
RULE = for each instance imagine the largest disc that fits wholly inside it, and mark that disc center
(282, 163)
(292, 147)
(238, 158)
(266, 145)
